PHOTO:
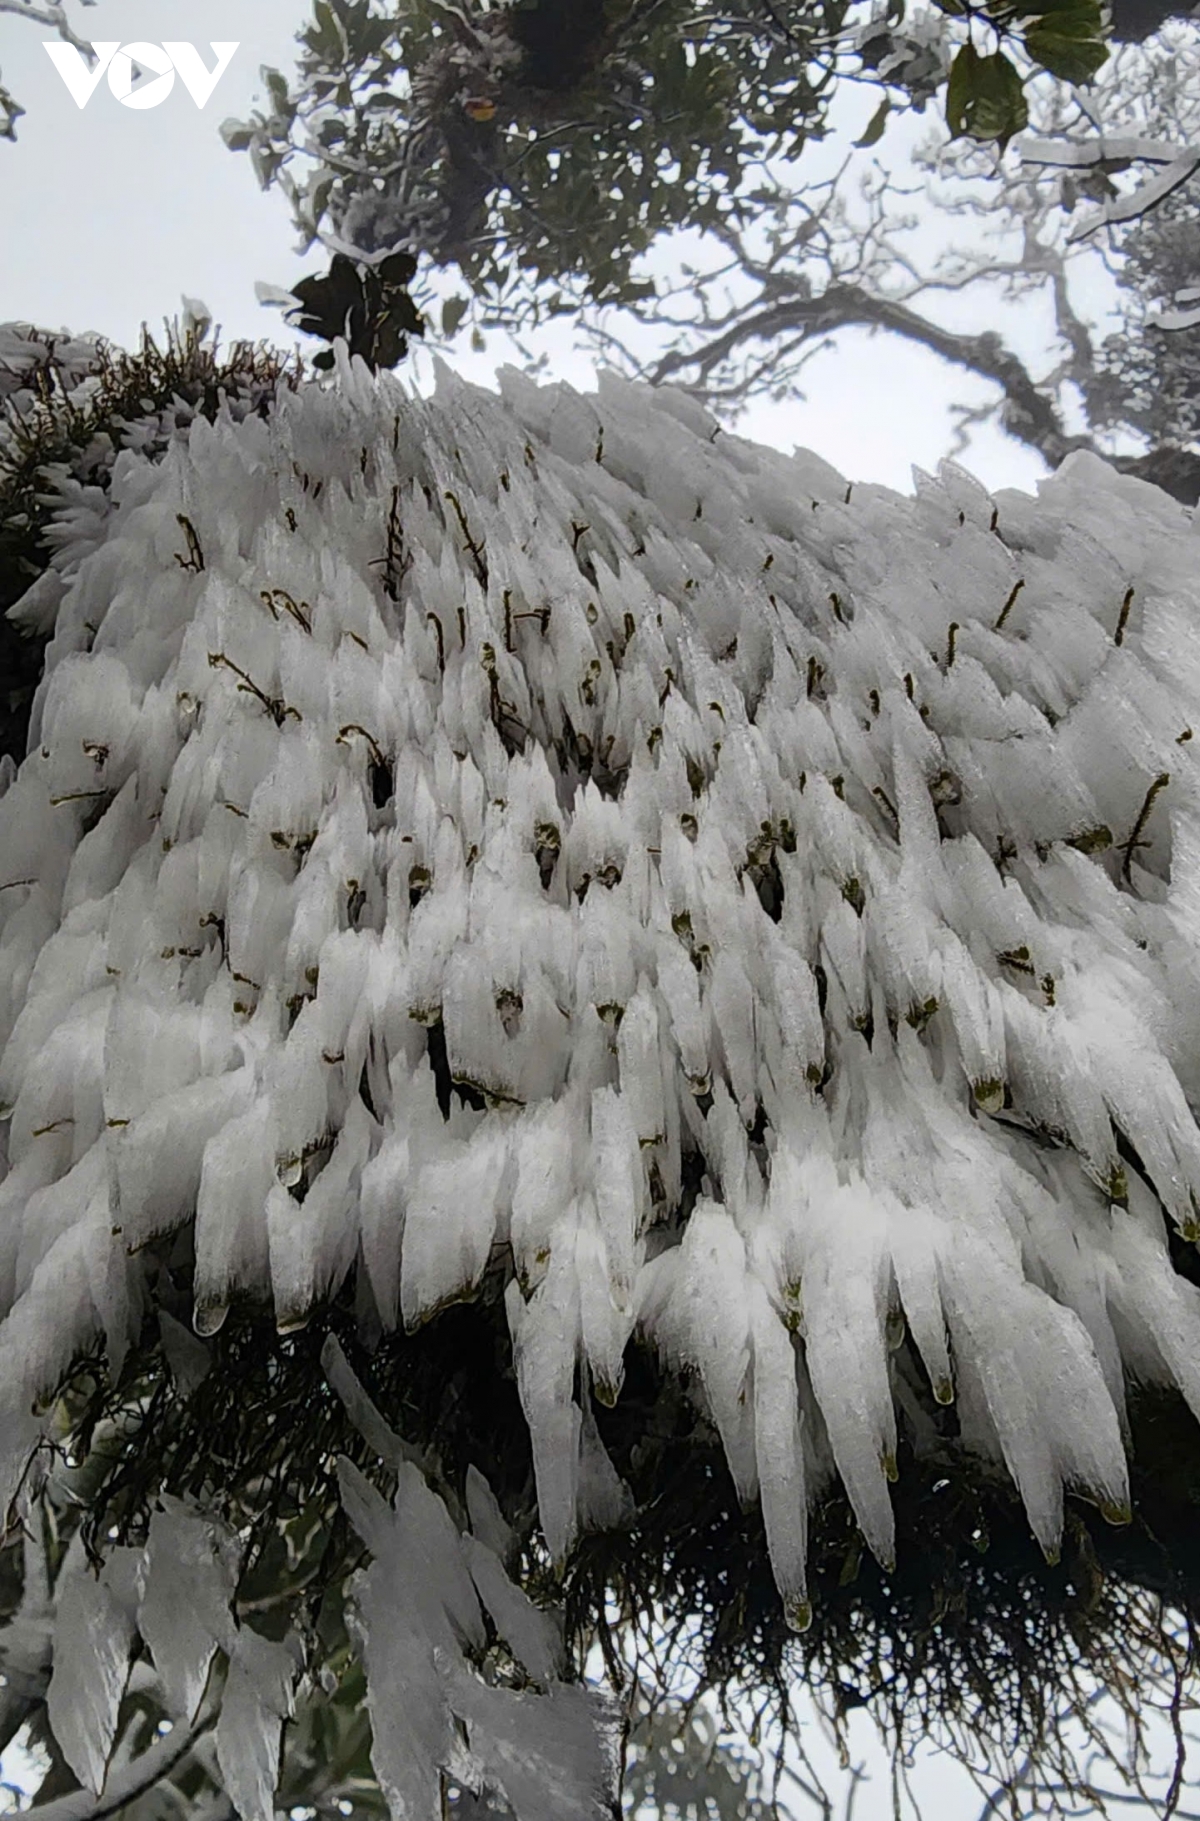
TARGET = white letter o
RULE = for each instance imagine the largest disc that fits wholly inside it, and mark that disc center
(120, 75)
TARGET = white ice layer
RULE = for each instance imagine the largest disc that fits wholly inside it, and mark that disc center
(712, 823)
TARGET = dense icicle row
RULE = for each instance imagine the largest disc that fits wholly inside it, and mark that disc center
(690, 803)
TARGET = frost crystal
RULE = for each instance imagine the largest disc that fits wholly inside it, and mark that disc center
(797, 883)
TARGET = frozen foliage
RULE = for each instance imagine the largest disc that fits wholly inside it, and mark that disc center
(26, 351)
(175, 1594)
(71, 406)
(801, 883)
(420, 1601)
(541, 1747)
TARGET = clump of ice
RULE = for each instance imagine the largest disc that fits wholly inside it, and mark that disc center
(687, 801)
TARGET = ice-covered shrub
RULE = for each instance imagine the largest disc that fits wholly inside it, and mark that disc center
(69, 407)
(540, 854)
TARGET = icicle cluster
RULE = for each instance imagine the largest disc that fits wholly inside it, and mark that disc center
(804, 883)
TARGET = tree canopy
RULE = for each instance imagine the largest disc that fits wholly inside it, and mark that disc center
(485, 137)
(754, 268)
(952, 250)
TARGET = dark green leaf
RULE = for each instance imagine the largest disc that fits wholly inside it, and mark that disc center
(398, 268)
(876, 124)
(985, 98)
(453, 311)
(277, 89)
(266, 163)
(387, 347)
(1067, 39)
(404, 311)
(320, 194)
(1084, 14)
(324, 37)
(238, 136)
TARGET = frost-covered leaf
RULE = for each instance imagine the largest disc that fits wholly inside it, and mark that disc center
(185, 1613)
(94, 1636)
(530, 1633)
(543, 1753)
(256, 1701)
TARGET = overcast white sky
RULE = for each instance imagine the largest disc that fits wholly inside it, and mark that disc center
(108, 214)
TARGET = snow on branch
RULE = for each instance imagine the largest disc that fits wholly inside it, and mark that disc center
(1116, 154)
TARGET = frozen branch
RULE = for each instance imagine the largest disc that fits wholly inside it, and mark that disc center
(1116, 154)
(130, 1782)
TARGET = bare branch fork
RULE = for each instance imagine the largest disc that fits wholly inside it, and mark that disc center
(1029, 414)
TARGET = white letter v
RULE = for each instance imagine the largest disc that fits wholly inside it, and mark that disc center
(198, 81)
(70, 65)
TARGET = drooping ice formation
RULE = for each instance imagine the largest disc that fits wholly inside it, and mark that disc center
(722, 824)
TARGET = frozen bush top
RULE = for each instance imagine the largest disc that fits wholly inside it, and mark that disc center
(800, 883)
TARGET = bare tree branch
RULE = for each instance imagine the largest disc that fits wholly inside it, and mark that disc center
(1029, 414)
(53, 16)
